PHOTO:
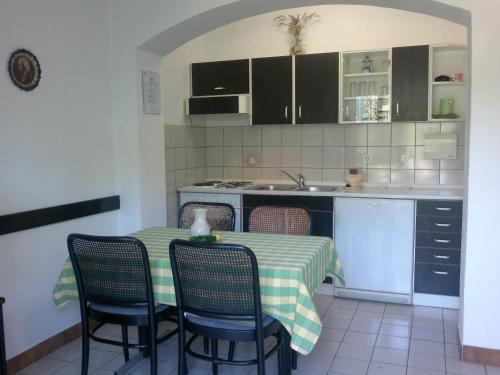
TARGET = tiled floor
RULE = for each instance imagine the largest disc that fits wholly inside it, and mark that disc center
(358, 338)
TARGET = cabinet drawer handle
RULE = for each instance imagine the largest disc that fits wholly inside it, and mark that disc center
(286, 112)
(397, 108)
(443, 208)
(445, 225)
(444, 273)
(219, 88)
(441, 256)
(437, 240)
(300, 111)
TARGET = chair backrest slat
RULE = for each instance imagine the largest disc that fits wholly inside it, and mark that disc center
(280, 219)
(113, 270)
(220, 216)
(215, 280)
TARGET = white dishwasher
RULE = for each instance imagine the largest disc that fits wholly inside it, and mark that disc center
(374, 240)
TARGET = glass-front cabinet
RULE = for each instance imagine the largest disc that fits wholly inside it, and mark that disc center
(366, 87)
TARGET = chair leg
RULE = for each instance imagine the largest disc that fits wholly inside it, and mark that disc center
(294, 360)
(85, 348)
(182, 365)
(206, 348)
(284, 353)
(232, 346)
(261, 360)
(215, 354)
(125, 341)
(153, 352)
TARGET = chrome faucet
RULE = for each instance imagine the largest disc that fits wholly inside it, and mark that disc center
(300, 182)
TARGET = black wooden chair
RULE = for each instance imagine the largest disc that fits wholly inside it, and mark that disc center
(114, 286)
(218, 297)
(3, 355)
(220, 216)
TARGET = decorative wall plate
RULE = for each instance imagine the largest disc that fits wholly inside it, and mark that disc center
(24, 69)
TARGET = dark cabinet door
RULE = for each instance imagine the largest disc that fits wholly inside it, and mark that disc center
(410, 83)
(272, 90)
(317, 88)
(220, 77)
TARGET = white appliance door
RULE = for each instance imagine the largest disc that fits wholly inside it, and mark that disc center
(374, 240)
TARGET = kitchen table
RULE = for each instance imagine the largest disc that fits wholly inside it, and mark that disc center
(290, 270)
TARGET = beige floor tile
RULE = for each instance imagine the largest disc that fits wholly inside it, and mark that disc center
(392, 342)
(360, 338)
(427, 347)
(393, 356)
(427, 334)
(386, 369)
(355, 351)
(457, 366)
(349, 366)
(426, 361)
(394, 330)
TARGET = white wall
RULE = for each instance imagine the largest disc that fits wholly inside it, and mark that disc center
(56, 147)
(135, 23)
(341, 28)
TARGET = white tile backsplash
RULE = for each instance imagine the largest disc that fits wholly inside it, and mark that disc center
(291, 135)
(271, 135)
(334, 135)
(403, 134)
(312, 157)
(379, 176)
(232, 136)
(386, 153)
(312, 135)
(426, 177)
(291, 157)
(333, 157)
(380, 157)
(232, 157)
(353, 157)
(403, 157)
(271, 156)
(356, 135)
(379, 134)
(402, 177)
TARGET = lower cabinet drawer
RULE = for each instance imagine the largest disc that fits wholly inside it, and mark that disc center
(439, 224)
(439, 240)
(437, 256)
(437, 279)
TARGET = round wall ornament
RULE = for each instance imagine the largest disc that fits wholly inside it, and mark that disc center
(24, 69)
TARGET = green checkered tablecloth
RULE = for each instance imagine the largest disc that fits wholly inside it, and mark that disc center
(290, 270)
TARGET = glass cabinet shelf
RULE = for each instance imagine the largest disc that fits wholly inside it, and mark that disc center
(366, 87)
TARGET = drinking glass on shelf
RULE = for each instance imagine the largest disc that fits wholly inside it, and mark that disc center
(372, 88)
(352, 89)
(362, 89)
(384, 90)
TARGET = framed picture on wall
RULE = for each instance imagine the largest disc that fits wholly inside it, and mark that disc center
(151, 93)
(24, 69)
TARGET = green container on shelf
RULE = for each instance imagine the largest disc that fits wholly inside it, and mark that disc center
(446, 106)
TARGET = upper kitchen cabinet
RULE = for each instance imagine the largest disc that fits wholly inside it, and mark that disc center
(272, 90)
(410, 88)
(316, 88)
(448, 80)
(365, 89)
(220, 78)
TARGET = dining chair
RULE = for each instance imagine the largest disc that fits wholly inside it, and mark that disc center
(114, 283)
(220, 216)
(280, 219)
(218, 297)
(3, 355)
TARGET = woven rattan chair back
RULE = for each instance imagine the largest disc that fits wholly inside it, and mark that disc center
(220, 216)
(112, 270)
(215, 280)
(278, 219)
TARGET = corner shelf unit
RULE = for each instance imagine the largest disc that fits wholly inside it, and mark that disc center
(446, 60)
(365, 97)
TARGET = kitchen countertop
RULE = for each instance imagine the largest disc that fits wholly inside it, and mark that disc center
(448, 193)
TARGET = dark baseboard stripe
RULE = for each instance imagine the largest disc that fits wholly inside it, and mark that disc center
(40, 350)
(56, 214)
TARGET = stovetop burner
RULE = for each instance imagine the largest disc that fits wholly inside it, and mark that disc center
(233, 184)
(207, 183)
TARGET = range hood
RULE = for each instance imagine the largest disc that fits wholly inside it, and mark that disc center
(219, 104)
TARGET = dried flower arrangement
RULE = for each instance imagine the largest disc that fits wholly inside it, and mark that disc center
(294, 25)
